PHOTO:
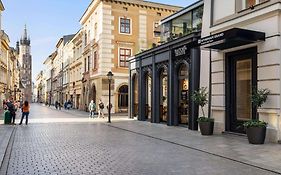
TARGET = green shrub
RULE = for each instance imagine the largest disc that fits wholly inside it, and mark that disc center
(255, 123)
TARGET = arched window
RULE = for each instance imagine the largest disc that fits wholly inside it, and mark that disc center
(123, 97)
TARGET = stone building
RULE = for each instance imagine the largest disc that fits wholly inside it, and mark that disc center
(111, 32)
(244, 55)
(5, 88)
(75, 70)
(25, 61)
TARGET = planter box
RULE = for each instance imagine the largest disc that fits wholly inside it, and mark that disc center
(256, 135)
(206, 128)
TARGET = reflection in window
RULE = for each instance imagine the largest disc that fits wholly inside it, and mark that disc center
(182, 25)
(249, 3)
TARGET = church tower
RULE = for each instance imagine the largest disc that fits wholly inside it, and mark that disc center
(25, 61)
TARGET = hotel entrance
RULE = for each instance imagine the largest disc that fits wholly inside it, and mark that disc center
(241, 79)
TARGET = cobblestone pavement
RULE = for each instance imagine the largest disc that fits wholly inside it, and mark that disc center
(99, 148)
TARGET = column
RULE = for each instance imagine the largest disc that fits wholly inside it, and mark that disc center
(155, 93)
(171, 97)
(194, 85)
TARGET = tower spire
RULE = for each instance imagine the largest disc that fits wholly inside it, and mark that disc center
(25, 40)
(25, 32)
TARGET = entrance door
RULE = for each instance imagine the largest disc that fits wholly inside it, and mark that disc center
(241, 78)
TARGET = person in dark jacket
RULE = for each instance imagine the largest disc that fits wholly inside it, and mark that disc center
(11, 108)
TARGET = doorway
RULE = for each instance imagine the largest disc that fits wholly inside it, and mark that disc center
(183, 94)
(241, 78)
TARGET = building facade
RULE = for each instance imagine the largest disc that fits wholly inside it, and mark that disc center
(162, 78)
(113, 31)
(5, 88)
(238, 54)
(75, 69)
(244, 56)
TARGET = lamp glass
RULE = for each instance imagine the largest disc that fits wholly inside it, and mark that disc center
(109, 75)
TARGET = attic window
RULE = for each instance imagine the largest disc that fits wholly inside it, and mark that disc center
(125, 8)
(159, 14)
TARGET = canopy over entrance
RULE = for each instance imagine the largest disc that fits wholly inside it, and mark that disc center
(231, 38)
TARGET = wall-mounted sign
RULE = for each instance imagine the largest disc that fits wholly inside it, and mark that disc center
(211, 39)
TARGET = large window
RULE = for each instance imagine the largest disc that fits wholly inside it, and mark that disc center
(125, 25)
(182, 25)
(124, 55)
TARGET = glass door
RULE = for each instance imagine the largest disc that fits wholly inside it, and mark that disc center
(242, 78)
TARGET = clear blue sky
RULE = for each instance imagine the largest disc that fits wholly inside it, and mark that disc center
(47, 21)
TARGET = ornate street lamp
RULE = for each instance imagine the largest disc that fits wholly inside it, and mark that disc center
(109, 76)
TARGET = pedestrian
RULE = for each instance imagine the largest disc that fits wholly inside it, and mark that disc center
(25, 112)
(65, 104)
(68, 105)
(11, 108)
(101, 107)
(56, 104)
(109, 107)
(59, 104)
(92, 109)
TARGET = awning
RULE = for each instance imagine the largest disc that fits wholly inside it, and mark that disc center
(231, 38)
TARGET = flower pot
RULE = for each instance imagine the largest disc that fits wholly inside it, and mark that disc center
(206, 128)
(256, 135)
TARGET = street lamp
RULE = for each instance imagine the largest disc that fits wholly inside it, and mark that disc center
(15, 92)
(109, 76)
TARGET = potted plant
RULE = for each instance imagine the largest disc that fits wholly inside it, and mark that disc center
(206, 124)
(256, 129)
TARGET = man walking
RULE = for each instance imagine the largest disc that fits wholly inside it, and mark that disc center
(92, 109)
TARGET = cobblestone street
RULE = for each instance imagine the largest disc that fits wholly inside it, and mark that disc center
(94, 147)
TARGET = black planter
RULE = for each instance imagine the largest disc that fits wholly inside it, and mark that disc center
(256, 135)
(206, 128)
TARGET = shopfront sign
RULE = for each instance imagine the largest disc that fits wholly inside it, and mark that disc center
(179, 52)
(211, 39)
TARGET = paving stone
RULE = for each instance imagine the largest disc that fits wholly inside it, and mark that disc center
(96, 148)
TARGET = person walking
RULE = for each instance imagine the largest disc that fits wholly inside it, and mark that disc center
(56, 104)
(25, 112)
(109, 107)
(101, 107)
(92, 109)
(11, 108)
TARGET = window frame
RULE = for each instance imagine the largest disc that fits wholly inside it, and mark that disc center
(131, 24)
(119, 56)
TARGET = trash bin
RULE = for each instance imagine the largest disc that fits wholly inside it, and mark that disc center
(7, 117)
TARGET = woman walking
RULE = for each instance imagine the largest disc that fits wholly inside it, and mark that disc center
(25, 112)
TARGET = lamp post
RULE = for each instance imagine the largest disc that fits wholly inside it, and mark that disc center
(15, 92)
(109, 76)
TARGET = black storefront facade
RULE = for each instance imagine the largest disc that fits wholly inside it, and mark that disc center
(162, 80)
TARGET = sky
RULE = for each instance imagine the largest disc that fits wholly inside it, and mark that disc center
(47, 21)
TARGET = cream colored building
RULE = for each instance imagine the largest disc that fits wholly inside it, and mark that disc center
(113, 31)
(48, 74)
(251, 58)
(5, 80)
(75, 70)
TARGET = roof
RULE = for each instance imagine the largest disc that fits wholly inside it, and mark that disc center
(183, 11)
(137, 2)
